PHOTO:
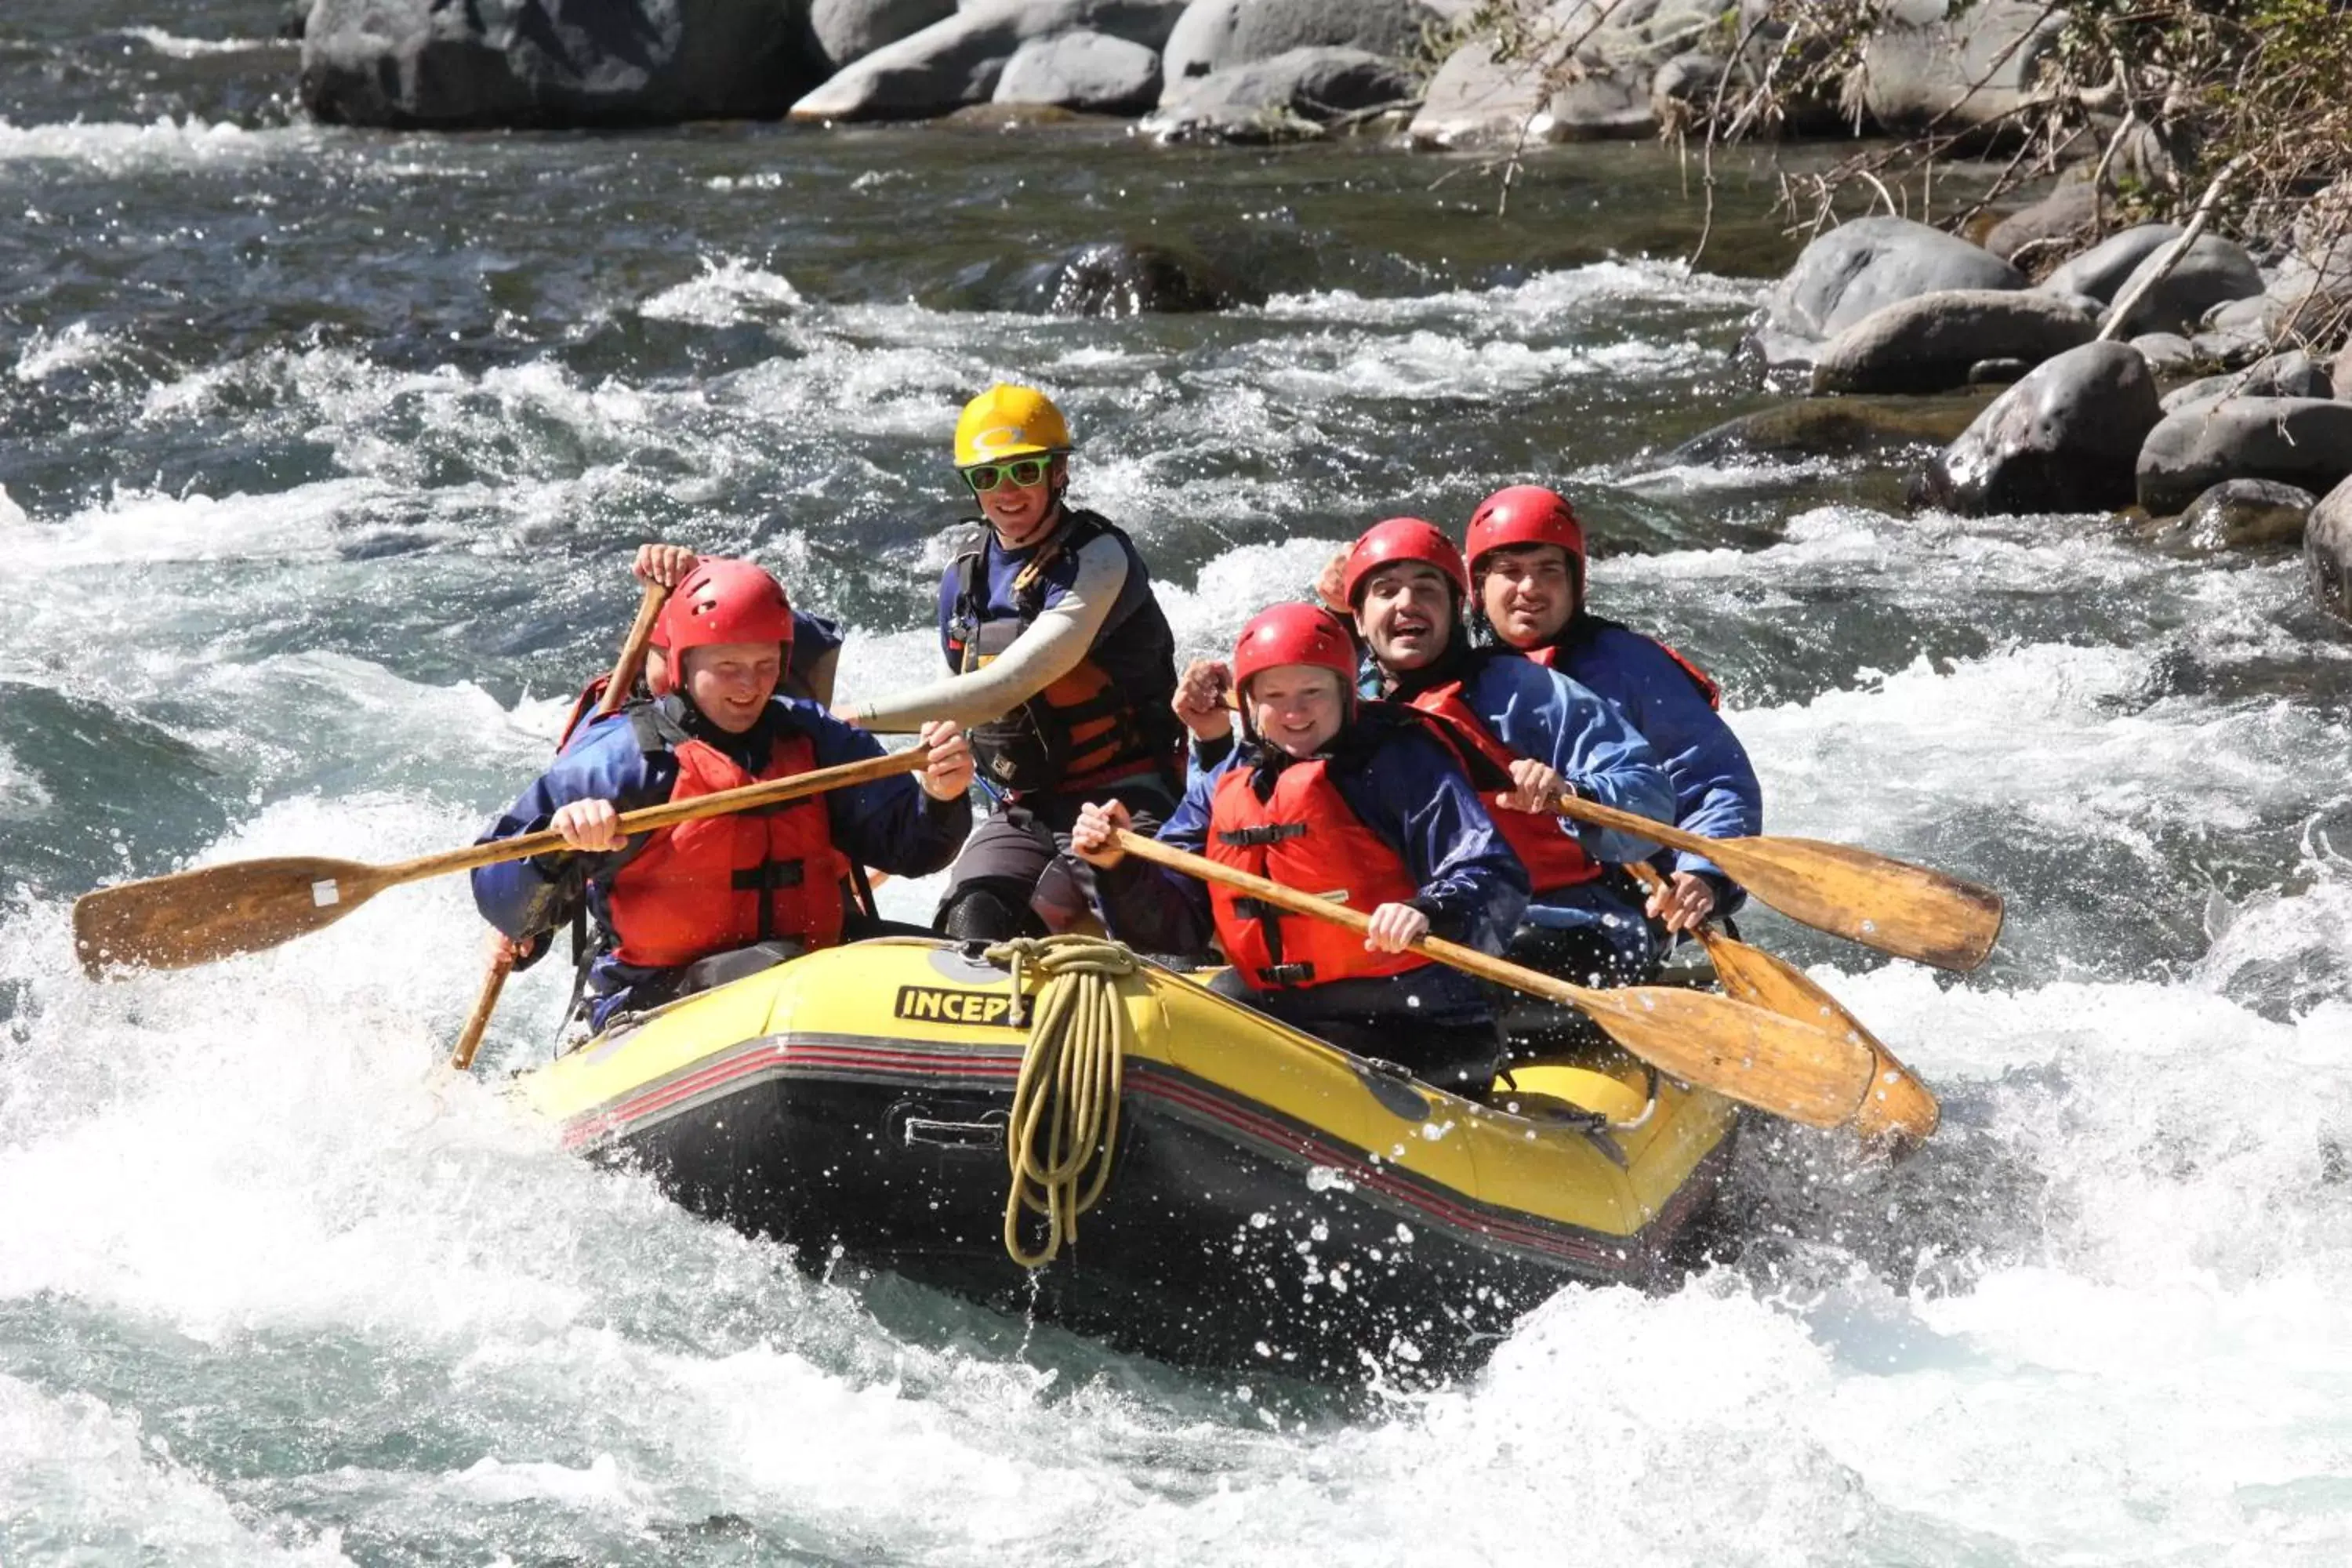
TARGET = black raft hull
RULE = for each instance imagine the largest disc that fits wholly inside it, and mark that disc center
(1274, 1203)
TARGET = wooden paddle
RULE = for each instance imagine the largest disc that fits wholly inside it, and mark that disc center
(1898, 1113)
(1877, 900)
(1756, 1057)
(215, 912)
(616, 695)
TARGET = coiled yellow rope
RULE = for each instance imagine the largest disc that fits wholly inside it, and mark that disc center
(1065, 1120)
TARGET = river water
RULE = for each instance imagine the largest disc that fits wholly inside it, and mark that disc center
(322, 452)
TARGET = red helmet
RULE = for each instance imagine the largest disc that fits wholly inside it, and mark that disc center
(1402, 538)
(1525, 514)
(722, 601)
(1294, 634)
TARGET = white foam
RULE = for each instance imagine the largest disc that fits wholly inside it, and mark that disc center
(22, 797)
(728, 291)
(44, 355)
(1543, 298)
(114, 147)
(185, 48)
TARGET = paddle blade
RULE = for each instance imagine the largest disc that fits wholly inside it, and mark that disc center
(1742, 1052)
(1898, 1112)
(1909, 911)
(216, 912)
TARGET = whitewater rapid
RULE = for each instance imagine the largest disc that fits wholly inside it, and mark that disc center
(273, 1288)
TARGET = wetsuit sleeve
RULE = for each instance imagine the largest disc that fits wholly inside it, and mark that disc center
(1152, 907)
(1054, 644)
(889, 822)
(526, 898)
(1717, 793)
(1540, 712)
(1412, 793)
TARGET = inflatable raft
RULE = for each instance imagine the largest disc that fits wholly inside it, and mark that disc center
(1270, 1201)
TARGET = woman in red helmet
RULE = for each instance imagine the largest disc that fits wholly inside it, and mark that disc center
(1525, 552)
(672, 906)
(1334, 796)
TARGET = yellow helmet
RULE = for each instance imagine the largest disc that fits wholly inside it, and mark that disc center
(1009, 422)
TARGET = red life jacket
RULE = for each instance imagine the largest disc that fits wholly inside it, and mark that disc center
(723, 882)
(1553, 857)
(1302, 836)
(1706, 683)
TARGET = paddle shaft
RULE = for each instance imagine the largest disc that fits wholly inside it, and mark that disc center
(615, 694)
(653, 818)
(1467, 959)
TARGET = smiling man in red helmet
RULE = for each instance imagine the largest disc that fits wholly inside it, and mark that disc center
(1526, 551)
(1353, 800)
(693, 905)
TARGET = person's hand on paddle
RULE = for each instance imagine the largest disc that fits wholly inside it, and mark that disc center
(1394, 928)
(1200, 699)
(1536, 786)
(591, 826)
(1093, 836)
(948, 775)
(1683, 903)
(663, 565)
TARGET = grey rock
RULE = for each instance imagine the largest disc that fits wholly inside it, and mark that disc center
(1113, 279)
(1476, 99)
(1922, 65)
(1687, 80)
(2290, 375)
(848, 30)
(1928, 343)
(2214, 270)
(1091, 71)
(2100, 270)
(2242, 513)
(429, 65)
(2301, 441)
(960, 59)
(2328, 552)
(2168, 354)
(1829, 427)
(1268, 28)
(1288, 95)
(2067, 211)
(1861, 266)
(1202, 42)
(2340, 372)
(2230, 348)
(1607, 106)
(2312, 287)
(2065, 438)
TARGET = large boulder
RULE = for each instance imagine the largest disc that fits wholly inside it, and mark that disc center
(2102, 270)
(2290, 375)
(960, 60)
(2340, 372)
(1267, 29)
(1930, 342)
(1092, 71)
(2065, 438)
(2214, 271)
(2328, 552)
(430, 65)
(848, 30)
(2301, 441)
(1289, 95)
(2247, 513)
(1861, 267)
(1922, 65)
(1635, 62)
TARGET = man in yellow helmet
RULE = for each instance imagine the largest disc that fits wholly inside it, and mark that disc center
(1063, 666)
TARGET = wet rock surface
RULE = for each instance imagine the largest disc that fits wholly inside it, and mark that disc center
(2299, 441)
(1859, 267)
(2065, 438)
(1930, 344)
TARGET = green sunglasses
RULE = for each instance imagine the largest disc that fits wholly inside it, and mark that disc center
(986, 477)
